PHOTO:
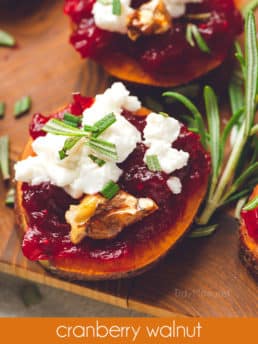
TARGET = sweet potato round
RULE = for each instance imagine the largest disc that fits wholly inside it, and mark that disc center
(249, 247)
(76, 269)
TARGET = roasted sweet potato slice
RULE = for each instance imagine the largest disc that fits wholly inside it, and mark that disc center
(249, 247)
(142, 257)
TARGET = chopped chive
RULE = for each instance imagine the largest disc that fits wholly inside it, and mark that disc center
(4, 157)
(193, 36)
(58, 127)
(201, 232)
(69, 144)
(116, 7)
(152, 162)
(103, 149)
(71, 118)
(30, 295)
(22, 106)
(90, 128)
(198, 16)
(251, 205)
(6, 39)
(2, 109)
(110, 190)
(10, 198)
(72, 124)
(98, 161)
(104, 124)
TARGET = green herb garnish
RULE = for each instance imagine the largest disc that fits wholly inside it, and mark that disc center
(22, 106)
(72, 120)
(103, 124)
(110, 190)
(153, 164)
(198, 16)
(6, 39)
(202, 231)
(4, 157)
(194, 37)
(116, 7)
(102, 149)
(10, 198)
(251, 205)
(98, 161)
(234, 178)
(2, 109)
(68, 145)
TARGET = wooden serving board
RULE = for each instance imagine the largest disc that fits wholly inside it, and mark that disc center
(200, 277)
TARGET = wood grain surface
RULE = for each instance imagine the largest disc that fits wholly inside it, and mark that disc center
(200, 277)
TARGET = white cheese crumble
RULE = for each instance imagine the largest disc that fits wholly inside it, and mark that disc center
(77, 173)
(160, 132)
(174, 185)
(105, 20)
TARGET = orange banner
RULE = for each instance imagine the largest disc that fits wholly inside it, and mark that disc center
(127, 330)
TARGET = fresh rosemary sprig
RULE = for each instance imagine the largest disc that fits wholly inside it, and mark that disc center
(234, 178)
(251, 205)
(101, 149)
(6, 39)
(4, 157)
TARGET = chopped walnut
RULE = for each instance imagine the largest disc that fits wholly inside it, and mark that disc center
(100, 218)
(150, 18)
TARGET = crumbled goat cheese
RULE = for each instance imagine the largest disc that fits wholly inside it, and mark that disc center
(106, 20)
(174, 185)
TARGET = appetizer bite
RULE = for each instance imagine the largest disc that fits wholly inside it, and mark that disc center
(249, 234)
(105, 188)
(156, 42)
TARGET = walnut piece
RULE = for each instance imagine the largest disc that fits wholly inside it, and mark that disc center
(100, 218)
(150, 18)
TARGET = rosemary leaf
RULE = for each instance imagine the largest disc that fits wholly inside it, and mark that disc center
(193, 35)
(193, 109)
(30, 295)
(58, 127)
(249, 172)
(252, 204)
(212, 112)
(204, 231)
(10, 197)
(98, 161)
(2, 109)
(251, 71)
(110, 190)
(250, 6)
(231, 123)
(6, 39)
(22, 106)
(68, 145)
(4, 157)
(241, 202)
(103, 124)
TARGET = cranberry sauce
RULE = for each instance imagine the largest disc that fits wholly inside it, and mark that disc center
(251, 221)
(159, 53)
(45, 204)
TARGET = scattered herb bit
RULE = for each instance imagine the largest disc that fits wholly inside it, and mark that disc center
(100, 148)
(253, 204)
(2, 109)
(30, 295)
(193, 36)
(103, 149)
(198, 16)
(202, 231)
(116, 7)
(103, 124)
(68, 117)
(69, 144)
(152, 162)
(10, 197)
(191, 91)
(110, 190)
(6, 39)
(22, 106)
(105, 2)
(4, 157)
(98, 161)
(164, 114)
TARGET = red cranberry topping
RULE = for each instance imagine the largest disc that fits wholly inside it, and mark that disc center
(45, 204)
(159, 53)
(79, 104)
(251, 221)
